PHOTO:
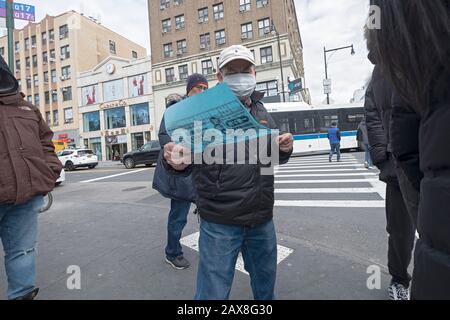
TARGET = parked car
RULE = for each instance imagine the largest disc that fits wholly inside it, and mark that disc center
(62, 178)
(78, 158)
(147, 154)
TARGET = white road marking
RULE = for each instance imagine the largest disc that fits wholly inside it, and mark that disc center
(326, 175)
(318, 166)
(114, 175)
(288, 170)
(324, 181)
(325, 190)
(191, 242)
(330, 204)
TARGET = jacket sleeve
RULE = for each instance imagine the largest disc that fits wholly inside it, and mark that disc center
(163, 136)
(46, 137)
(338, 133)
(405, 124)
(376, 134)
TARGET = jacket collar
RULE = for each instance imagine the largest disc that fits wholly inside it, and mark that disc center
(11, 98)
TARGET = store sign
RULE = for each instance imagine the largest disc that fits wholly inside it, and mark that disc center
(113, 105)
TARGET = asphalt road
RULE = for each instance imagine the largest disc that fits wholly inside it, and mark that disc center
(109, 222)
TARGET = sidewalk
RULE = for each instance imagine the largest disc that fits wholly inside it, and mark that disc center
(109, 164)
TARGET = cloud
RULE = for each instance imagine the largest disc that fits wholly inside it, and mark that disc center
(330, 23)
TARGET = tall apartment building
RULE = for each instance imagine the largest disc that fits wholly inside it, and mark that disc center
(187, 37)
(49, 55)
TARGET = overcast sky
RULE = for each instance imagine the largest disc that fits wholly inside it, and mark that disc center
(330, 23)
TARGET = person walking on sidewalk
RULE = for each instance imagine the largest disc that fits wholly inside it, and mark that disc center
(180, 190)
(363, 138)
(236, 201)
(29, 169)
(334, 136)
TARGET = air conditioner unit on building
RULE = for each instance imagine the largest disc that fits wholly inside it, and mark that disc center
(33, 46)
(52, 60)
(202, 46)
(180, 52)
(63, 57)
(267, 30)
(244, 36)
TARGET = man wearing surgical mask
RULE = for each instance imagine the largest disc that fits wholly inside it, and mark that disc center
(236, 201)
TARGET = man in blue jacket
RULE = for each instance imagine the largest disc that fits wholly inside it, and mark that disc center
(334, 135)
(179, 189)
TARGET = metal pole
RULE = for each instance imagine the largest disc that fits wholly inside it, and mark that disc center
(326, 71)
(10, 26)
(281, 67)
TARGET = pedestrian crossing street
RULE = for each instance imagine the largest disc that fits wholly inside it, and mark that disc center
(315, 182)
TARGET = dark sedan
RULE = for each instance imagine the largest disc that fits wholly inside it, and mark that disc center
(147, 154)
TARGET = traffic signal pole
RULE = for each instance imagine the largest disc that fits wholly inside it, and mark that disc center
(10, 27)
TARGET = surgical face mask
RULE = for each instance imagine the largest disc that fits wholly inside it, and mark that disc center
(242, 84)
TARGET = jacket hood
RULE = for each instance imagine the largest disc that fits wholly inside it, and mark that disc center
(8, 83)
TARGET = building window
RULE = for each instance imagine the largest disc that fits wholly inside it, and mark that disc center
(203, 15)
(138, 85)
(47, 97)
(65, 53)
(262, 3)
(17, 46)
(168, 50)
(264, 27)
(54, 80)
(2, 51)
(65, 73)
(183, 71)
(220, 37)
(244, 5)
(63, 32)
(166, 25)
(137, 140)
(35, 61)
(270, 88)
(205, 41)
(54, 96)
(44, 38)
(112, 47)
(207, 67)
(29, 83)
(218, 11)
(170, 75)
(246, 31)
(17, 64)
(179, 22)
(48, 118)
(134, 54)
(181, 47)
(52, 54)
(164, 4)
(36, 100)
(113, 90)
(140, 114)
(68, 115)
(45, 57)
(67, 93)
(51, 35)
(91, 121)
(33, 41)
(28, 62)
(55, 118)
(36, 80)
(30, 99)
(266, 55)
(46, 78)
(89, 95)
(27, 43)
(115, 118)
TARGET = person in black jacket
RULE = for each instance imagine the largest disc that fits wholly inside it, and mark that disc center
(414, 52)
(400, 225)
(236, 201)
(180, 190)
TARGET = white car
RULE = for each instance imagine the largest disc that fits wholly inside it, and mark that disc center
(78, 158)
(62, 177)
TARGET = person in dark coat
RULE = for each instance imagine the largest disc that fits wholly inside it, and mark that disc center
(414, 53)
(179, 189)
(363, 138)
(236, 201)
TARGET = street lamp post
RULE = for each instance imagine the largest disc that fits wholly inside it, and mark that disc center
(325, 51)
(10, 26)
(281, 61)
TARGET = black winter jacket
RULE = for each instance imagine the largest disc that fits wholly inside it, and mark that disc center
(237, 194)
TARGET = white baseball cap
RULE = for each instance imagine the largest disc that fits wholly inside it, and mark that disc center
(236, 52)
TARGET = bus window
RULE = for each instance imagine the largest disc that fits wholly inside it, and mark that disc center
(327, 120)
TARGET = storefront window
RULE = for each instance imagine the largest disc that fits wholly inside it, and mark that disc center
(115, 118)
(140, 114)
(91, 121)
(137, 140)
(95, 144)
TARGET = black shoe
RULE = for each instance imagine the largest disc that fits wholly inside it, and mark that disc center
(179, 263)
(29, 296)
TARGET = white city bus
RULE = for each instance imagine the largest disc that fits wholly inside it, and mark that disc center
(310, 124)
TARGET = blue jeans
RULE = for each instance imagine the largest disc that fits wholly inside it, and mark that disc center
(18, 231)
(179, 211)
(335, 148)
(219, 249)
(368, 158)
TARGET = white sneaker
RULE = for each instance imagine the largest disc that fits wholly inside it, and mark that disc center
(398, 292)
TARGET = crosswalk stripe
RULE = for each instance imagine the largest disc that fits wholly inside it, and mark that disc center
(319, 170)
(327, 175)
(330, 204)
(324, 181)
(296, 166)
(324, 190)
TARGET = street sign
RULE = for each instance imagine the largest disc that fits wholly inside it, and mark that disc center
(21, 11)
(295, 86)
(327, 82)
